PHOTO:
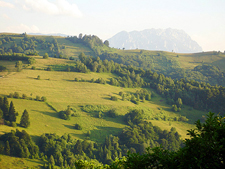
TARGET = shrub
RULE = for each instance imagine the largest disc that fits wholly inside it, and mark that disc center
(88, 133)
(24, 96)
(112, 113)
(38, 98)
(45, 56)
(114, 98)
(78, 126)
(16, 95)
(49, 68)
(43, 98)
(13, 124)
(38, 77)
(11, 95)
(8, 123)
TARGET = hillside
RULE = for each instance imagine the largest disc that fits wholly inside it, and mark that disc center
(61, 90)
(203, 67)
(85, 107)
(156, 39)
(56, 85)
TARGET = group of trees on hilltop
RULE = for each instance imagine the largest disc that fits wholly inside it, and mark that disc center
(30, 45)
(9, 115)
(91, 41)
(160, 63)
(199, 95)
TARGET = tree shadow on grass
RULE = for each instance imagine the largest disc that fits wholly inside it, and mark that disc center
(32, 78)
(52, 114)
(35, 161)
(69, 80)
(69, 126)
(107, 98)
(101, 132)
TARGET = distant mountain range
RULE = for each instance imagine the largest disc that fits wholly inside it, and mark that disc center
(156, 39)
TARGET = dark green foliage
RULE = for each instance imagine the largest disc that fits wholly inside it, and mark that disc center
(134, 116)
(141, 134)
(106, 42)
(112, 113)
(38, 77)
(12, 113)
(38, 98)
(1, 114)
(204, 149)
(43, 98)
(114, 98)
(49, 68)
(179, 102)
(78, 127)
(19, 144)
(24, 96)
(65, 114)
(5, 108)
(2, 68)
(19, 65)
(25, 120)
(51, 162)
(174, 108)
(45, 56)
(7, 148)
(16, 95)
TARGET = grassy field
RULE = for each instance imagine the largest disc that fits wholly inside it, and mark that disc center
(8, 162)
(61, 90)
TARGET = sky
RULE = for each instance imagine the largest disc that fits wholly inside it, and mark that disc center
(203, 20)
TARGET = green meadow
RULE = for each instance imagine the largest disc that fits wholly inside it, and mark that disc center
(8, 162)
(61, 90)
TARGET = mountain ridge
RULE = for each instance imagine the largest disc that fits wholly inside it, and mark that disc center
(156, 39)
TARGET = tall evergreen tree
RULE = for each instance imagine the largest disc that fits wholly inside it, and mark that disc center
(51, 162)
(5, 108)
(1, 114)
(25, 120)
(12, 113)
(7, 148)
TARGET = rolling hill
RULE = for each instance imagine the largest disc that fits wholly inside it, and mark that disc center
(92, 88)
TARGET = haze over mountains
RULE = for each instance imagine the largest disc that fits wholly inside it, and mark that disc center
(156, 39)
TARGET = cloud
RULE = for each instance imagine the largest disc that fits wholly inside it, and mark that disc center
(6, 16)
(23, 28)
(6, 4)
(60, 7)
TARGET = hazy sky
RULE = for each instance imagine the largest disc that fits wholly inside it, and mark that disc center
(203, 20)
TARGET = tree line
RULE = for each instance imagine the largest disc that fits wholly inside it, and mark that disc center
(198, 95)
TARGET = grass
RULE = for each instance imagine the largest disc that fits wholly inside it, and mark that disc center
(180, 126)
(61, 90)
(8, 162)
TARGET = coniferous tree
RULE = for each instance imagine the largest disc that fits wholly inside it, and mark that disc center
(51, 162)
(78, 147)
(25, 120)
(7, 148)
(12, 113)
(1, 114)
(5, 108)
